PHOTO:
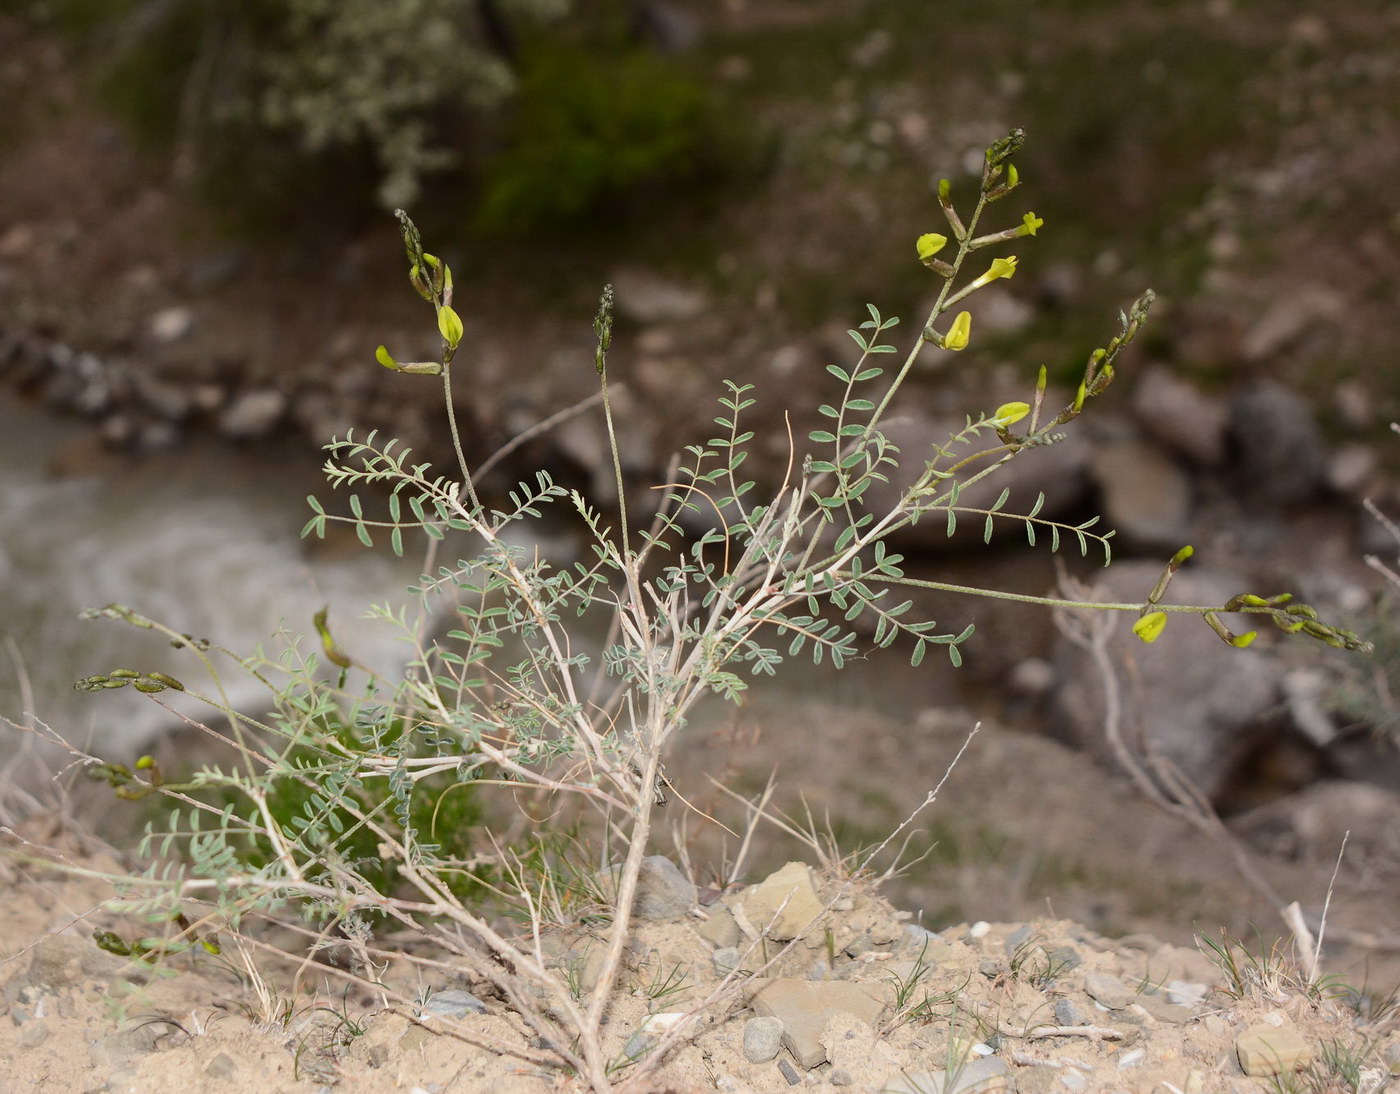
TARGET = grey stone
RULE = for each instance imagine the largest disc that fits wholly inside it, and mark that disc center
(1271, 1050)
(763, 1037)
(1392, 1058)
(252, 414)
(1067, 1014)
(1108, 991)
(34, 1035)
(1310, 825)
(858, 945)
(1289, 319)
(453, 1003)
(1164, 1011)
(1032, 677)
(170, 324)
(1018, 939)
(641, 1042)
(783, 904)
(1203, 713)
(1281, 457)
(121, 1049)
(648, 298)
(1179, 415)
(805, 1006)
(726, 959)
(1186, 993)
(663, 892)
(1060, 471)
(916, 938)
(1146, 497)
(221, 1066)
(1062, 959)
(841, 1077)
(1352, 469)
(67, 960)
(720, 928)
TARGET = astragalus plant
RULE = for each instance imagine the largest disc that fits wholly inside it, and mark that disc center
(507, 695)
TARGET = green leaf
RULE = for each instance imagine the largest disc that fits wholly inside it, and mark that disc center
(828, 411)
(840, 373)
(860, 404)
(386, 359)
(920, 648)
(955, 656)
(396, 541)
(363, 533)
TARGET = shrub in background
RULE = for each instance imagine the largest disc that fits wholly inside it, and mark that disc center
(558, 109)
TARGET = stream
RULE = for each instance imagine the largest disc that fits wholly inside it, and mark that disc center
(204, 539)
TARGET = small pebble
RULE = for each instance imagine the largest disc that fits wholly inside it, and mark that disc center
(726, 960)
(1271, 1050)
(763, 1037)
(221, 1066)
(1186, 993)
(1067, 1014)
(453, 1003)
(1107, 991)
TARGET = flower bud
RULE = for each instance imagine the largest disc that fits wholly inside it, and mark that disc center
(1010, 413)
(959, 333)
(929, 244)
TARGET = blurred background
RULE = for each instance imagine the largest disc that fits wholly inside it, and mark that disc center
(198, 259)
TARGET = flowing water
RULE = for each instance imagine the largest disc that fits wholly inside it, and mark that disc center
(205, 540)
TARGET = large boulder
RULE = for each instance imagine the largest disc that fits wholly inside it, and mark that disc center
(1196, 702)
(1060, 471)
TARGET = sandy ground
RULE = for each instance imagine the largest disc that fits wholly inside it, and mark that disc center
(1059, 857)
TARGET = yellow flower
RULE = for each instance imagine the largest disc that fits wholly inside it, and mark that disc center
(959, 332)
(1000, 267)
(929, 244)
(1149, 627)
(1029, 224)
